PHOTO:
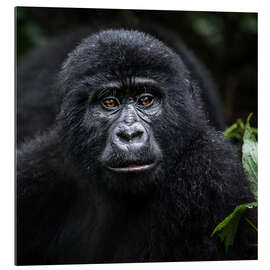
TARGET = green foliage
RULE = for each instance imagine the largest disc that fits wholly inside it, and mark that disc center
(208, 29)
(28, 35)
(227, 229)
(250, 157)
(237, 130)
(248, 137)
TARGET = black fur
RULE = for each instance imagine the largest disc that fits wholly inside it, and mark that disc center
(71, 209)
(36, 95)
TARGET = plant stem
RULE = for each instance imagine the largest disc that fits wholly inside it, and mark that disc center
(251, 224)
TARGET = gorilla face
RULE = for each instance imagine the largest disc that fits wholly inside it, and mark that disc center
(130, 109)
(122, 112)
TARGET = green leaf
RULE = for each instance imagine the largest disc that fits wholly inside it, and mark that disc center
(248, 136)
(228, 227)
(236, 130)
(250, 156)
(230, 130)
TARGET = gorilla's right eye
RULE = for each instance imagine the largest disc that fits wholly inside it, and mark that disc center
(110, 102)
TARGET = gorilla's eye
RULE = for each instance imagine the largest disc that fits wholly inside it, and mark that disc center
(110, 102)
(145, 100)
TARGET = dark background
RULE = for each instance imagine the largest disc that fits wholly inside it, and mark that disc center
(226, 42)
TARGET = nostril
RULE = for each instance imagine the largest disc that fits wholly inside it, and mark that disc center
(128, 136)
(137, 134)
(123, 135)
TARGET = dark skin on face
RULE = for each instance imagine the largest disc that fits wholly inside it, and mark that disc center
(129, 108)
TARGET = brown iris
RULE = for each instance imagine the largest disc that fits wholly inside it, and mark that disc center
(145, 100)
(110, 103)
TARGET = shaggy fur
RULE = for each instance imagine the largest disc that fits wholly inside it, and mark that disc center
(70, 210)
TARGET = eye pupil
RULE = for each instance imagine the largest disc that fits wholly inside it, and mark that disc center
(110, 103)
(145, 100)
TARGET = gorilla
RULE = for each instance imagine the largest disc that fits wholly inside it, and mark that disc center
(131, 168)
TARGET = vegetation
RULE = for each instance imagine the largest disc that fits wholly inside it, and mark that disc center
(247, 135)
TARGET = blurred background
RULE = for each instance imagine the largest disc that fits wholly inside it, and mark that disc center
(226, 42)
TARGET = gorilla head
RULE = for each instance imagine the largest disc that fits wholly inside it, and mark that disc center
(126, 110)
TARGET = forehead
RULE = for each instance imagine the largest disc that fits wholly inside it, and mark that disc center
(122, 52)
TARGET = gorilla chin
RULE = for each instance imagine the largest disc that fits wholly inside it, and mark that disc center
(122, 162)
(131, 169)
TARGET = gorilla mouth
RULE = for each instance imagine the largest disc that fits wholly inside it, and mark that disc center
(133, 167)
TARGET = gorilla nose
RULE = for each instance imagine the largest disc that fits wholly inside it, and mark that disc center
(130, 135)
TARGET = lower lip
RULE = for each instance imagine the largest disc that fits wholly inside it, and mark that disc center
(133, 168)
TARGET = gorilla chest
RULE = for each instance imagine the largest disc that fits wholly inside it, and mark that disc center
(104, 237)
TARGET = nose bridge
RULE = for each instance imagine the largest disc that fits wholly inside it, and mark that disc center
(129, 132)
(128, 115)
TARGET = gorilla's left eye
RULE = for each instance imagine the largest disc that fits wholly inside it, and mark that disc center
(145, 100)
(110, 103)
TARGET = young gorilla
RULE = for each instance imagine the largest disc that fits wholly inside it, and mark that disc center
(131, 171)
